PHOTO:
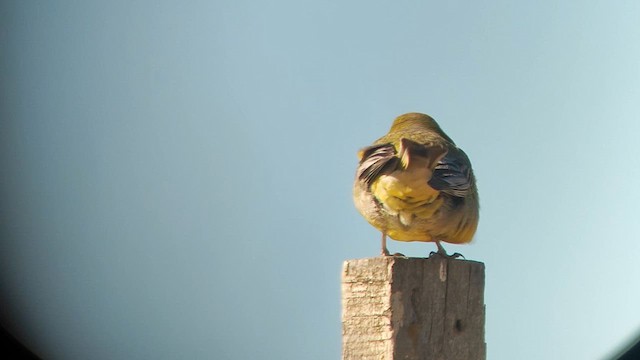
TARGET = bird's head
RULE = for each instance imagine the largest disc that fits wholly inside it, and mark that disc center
(418, 121)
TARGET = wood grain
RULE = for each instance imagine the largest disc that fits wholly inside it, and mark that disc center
(413, 308)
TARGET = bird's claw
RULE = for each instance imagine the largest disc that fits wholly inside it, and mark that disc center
(386, 253)
(445, 255)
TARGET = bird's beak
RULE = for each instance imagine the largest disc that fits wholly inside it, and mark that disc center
(410, 149)
(404, 153)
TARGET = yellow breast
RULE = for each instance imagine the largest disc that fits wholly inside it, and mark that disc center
(407, 194)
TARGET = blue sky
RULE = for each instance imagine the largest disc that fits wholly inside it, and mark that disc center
(177, 175)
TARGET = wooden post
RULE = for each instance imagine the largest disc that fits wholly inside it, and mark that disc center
(413, 308)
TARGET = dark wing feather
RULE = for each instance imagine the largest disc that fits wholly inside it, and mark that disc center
(376, 160)
(452, 175)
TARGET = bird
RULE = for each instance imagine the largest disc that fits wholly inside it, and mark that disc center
(415, 184)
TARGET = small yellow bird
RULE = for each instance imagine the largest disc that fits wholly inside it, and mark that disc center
(415, 184)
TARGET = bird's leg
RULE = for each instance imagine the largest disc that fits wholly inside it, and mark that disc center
(441, 249)
(441, 252)
(385, 251)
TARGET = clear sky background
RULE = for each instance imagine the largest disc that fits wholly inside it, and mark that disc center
(176, 176)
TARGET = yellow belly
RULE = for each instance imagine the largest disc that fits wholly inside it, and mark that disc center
(408, 196)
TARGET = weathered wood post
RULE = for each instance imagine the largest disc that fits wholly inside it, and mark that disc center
(413, 308)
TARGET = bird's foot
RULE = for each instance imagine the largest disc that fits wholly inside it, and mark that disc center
(442, 253)
(445, 255)
(385, 252)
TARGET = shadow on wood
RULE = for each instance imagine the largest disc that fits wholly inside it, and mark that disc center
(413, 308)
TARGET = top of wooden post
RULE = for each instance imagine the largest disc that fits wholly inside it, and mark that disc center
(413, 308)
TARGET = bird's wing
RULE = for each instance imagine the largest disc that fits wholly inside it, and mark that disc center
(376, 160)
(452, 175)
